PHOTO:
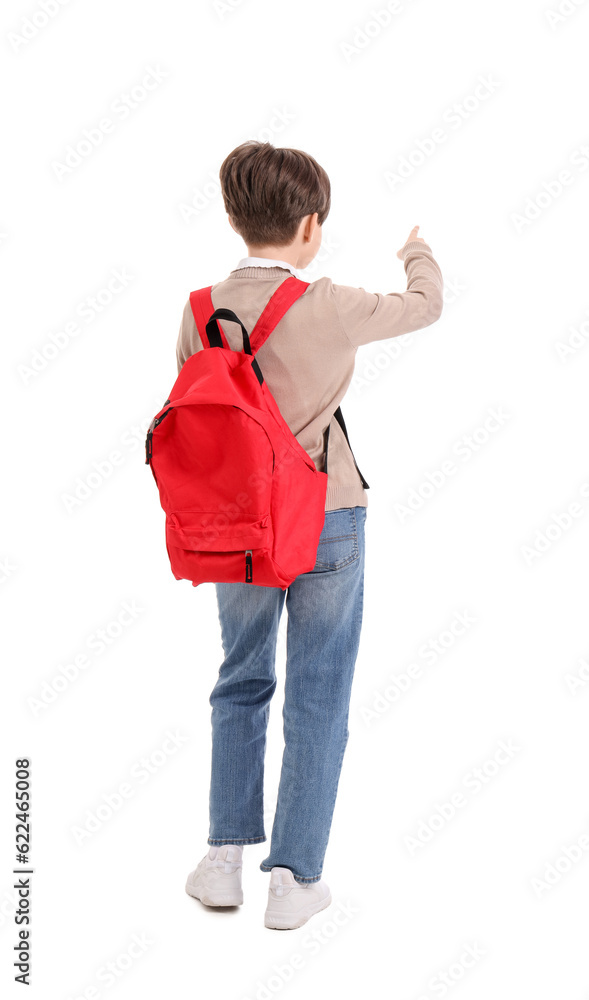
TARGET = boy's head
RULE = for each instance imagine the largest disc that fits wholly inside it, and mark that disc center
(276, 199)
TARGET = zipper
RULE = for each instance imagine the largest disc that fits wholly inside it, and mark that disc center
(248, 566)
(148, 446)
(152, 426)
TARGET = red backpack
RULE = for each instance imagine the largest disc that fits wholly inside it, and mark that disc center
(244, 501)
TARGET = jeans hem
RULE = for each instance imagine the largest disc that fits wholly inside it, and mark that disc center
(236, 840)
(297, 878)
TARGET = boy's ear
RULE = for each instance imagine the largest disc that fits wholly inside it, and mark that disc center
(311, 219)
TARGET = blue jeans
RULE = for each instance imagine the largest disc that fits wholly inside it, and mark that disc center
(323, 635)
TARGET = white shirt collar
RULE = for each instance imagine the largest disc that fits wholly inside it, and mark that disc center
(267, 262)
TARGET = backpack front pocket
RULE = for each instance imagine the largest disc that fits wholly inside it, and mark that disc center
(217, 531)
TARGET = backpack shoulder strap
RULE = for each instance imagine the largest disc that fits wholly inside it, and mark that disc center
(202, 309)
(287, 292)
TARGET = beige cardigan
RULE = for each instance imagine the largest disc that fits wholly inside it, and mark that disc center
(308, 359)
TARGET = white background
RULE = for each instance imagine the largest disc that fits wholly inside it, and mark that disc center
(359, 96)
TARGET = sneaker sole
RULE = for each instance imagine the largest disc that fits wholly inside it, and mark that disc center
(219, 898)
(280, 922)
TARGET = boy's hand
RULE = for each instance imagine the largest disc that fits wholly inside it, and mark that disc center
(412, 236)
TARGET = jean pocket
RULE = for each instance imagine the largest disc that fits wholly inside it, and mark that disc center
(338, 542)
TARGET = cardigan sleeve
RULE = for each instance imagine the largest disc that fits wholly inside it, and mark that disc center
(368, 316)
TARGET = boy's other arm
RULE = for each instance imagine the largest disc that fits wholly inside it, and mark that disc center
(189, 341)
(368, 316)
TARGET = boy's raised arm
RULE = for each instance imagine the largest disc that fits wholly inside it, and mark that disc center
(368, 316)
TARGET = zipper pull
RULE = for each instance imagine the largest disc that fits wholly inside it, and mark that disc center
(148, 446)
(248, 566)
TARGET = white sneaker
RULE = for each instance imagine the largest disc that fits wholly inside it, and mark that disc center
(291, 903)
(216, 880)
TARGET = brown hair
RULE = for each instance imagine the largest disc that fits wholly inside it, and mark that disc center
(268, 190)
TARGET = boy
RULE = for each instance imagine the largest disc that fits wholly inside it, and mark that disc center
(277, 199)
